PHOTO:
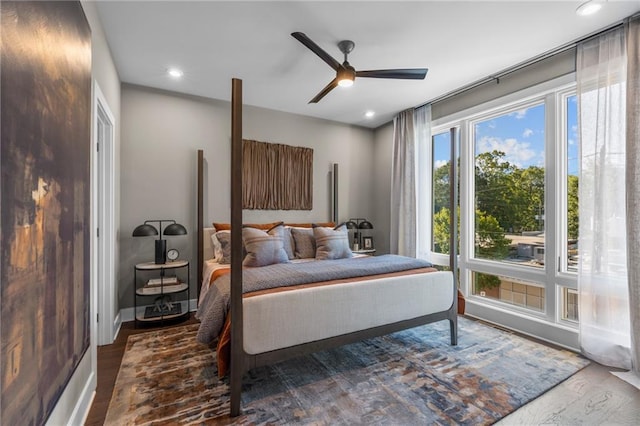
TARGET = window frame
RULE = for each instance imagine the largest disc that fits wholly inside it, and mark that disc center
(495, 113)
(442, 257)
(548, 324)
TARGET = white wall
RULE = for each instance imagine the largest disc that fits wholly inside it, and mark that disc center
(75, 401)
(161, 133)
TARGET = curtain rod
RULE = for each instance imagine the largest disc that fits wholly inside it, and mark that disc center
(528, 62)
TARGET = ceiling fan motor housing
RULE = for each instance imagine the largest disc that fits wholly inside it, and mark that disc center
(345, 73)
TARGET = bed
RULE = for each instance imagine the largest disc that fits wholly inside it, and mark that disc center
(272, 326)
(306, 300)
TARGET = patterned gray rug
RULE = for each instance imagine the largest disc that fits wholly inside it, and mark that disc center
(411, 377)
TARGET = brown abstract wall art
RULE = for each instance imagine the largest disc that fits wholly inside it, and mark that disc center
(276, 176)
(45, 122)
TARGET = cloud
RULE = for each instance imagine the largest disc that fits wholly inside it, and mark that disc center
(527, 133)
(571, 141)
(440, 163)
(520, 114)
(516, 152)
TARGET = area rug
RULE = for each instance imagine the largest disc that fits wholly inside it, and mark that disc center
(410, 377)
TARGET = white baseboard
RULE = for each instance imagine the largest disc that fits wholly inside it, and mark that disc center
(127, 314)
(117, 323)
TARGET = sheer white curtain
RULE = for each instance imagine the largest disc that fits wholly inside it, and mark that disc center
(602, 272)
(633, 187)
(422, 123)
(403, 189)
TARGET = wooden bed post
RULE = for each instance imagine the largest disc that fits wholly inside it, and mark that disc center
(200, 222)
(453, 237)
(237, 365)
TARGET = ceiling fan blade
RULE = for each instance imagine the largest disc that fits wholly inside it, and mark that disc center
(302, 38)
(407, 73)
(329, 87)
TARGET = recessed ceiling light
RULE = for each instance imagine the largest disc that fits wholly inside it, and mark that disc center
(175, 72)
(588, 8)
(369, 114)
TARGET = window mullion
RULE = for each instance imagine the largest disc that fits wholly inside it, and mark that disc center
(466, 204)
(552, 222)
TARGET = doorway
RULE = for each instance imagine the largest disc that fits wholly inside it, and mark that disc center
(106, 290)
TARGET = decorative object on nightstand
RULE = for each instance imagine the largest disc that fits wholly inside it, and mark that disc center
(367, 243)
(146, 230)
(369, 252)
(359, 224)
(172, 255)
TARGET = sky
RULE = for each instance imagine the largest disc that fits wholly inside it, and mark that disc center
(519, 134)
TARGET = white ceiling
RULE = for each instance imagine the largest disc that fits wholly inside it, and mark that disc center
(214, 41)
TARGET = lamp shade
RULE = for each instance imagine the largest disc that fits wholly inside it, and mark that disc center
(351, 225)
(145, 230)
(365, 224)
(175, 229)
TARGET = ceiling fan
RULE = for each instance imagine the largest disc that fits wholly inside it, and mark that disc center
(345, 73)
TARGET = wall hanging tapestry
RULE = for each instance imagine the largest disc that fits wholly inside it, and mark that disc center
(45, 86)
(276, 176)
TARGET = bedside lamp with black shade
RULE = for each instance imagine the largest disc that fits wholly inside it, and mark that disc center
(146, 230)
(358, 224)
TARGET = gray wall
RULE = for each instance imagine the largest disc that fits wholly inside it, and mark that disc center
(106, 76)
(383, 159)
(555, 66)
(161, 133)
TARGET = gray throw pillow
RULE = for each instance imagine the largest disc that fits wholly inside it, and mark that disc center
(224, 238)
(264, 248)
(332, 243)
(289, 244)
(305, 243)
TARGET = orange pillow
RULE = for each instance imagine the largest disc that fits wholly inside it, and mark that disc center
(309, 225)
(220, 226)
(227, 226)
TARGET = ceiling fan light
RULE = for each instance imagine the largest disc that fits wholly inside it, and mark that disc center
(345, 75)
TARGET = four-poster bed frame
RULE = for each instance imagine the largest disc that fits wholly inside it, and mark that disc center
(241, 361)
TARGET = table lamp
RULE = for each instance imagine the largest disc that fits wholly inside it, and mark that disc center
(146, 230)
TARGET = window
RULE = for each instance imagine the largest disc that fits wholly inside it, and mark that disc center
(570, 304)
(509, 186)
(441, 148)
(509, 290)
(518, 213)
(571, 192)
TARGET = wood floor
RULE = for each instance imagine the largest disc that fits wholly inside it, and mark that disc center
(593, 396)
